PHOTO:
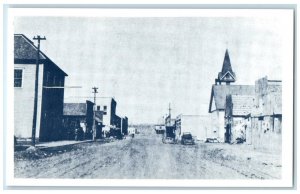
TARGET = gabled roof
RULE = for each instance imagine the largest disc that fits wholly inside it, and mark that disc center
(25, 50)
(242, 105)
(75, 109)
(219, 92)
(226, 68)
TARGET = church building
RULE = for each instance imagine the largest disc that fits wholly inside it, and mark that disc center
(219, 91)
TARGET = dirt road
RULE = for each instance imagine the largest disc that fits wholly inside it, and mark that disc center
(145, 156)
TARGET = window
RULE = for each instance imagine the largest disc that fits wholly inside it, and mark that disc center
(98, 107)
(18, 76)
(104, 110)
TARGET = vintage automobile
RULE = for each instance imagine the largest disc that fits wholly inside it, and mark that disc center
(187, 139)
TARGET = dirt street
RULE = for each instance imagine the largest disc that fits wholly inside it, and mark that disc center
(145, 156)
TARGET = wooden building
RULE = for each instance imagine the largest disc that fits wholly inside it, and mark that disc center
(170, 127)
(113, 125)
(160, 129)
(266, 117)
(124, 125)
(238, 118)
(79, 114)
(50, 92)
(220, 90)
(108, 106)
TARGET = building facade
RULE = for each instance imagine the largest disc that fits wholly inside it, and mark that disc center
(108, 106)
(238, 118)
(113, 125)
(170, 127)
(75, 115)
(50, 92)
(267, 115)
(124, 125)
(220, 90)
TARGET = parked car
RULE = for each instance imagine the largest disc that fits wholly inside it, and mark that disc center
(212, 140)
(187, 139)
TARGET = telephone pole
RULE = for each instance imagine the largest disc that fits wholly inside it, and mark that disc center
(94, 119)
(170, 110)
(38, 38)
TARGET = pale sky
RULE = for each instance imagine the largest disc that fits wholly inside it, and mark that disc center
(145, 63)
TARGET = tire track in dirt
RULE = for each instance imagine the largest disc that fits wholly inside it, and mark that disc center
(146, 157)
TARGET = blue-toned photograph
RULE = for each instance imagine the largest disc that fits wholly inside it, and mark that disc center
(150, 97)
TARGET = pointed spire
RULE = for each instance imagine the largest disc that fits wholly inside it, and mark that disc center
(226, 75)
(226, 64)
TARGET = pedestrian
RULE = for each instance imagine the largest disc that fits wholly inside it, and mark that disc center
(78, 132)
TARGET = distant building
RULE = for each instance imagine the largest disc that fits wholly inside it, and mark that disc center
(50, 92)
(170, 127)
(124, 125)
(116, 130)
(108, 106)
(160, 129)
(79, 114)
(220, 90)
(113, 125)
(132, 130)
(267, 114)
(198, 125)
(99, 124)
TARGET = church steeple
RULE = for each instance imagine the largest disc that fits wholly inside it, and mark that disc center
(226, 75)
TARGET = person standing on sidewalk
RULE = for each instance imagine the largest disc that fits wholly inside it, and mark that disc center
(78, 132)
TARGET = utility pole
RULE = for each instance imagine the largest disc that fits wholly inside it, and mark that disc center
(94, 119)
(38, 38)
(170, 110)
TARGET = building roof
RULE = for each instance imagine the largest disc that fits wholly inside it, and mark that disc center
(100, 101)
(242, 105)
(25, 50)
(226, 68)
(219, 92)
(75, 109)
